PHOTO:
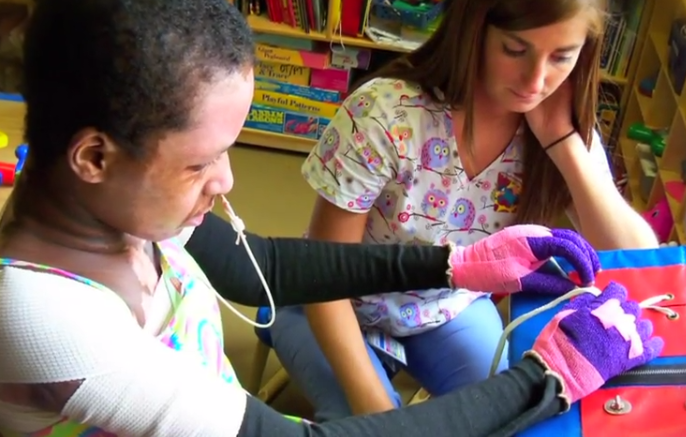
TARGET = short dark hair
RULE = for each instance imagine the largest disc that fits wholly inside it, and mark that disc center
(129, 68)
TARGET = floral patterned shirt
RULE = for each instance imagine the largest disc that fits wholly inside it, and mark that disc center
(390, 151)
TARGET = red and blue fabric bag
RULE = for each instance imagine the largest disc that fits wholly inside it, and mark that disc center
(649, 401)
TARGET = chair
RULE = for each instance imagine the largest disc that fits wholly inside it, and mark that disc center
(276, 384)
(267, 392)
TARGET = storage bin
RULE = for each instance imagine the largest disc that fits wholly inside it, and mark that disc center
(420, 16)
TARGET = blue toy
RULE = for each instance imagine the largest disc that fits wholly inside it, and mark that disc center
(21, 153)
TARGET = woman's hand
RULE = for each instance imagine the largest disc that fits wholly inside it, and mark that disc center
(593, 339)
(506, 262)
(552, 118)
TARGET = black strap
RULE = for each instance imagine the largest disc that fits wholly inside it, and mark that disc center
(559, 140)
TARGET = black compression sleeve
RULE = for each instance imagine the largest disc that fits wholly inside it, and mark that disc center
(301, 271)
(500, 406)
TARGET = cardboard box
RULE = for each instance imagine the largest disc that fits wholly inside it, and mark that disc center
(307, 92)
(286, 122)
(331, 79)
(292, 74)
(304, 58)
(349, 57)
(295, 104)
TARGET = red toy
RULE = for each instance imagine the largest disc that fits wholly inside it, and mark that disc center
(660, 219)
(7, 174)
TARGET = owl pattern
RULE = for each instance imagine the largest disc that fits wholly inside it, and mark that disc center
(329, 144)
(364, 201)
(361, 104)
(402, 138)
(462, 214)
(387, 204)
(410, 315)
(505, 196)
(435, 154)
(372, 158)
(435, 203)
(417, 100)
(370, 313)
(397, 161)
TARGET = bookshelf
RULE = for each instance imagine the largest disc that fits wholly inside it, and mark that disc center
(277, 141)
(14, 15)
(261, 24)
(27, 3)
(665, 109)
(619, 83)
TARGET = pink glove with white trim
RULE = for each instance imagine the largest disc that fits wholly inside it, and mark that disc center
(506, 262)
(593, 339)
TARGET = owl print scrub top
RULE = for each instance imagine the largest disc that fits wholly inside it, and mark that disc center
(390, 151)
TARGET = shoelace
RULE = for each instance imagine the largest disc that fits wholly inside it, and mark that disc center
(239, 226)
(650, 303)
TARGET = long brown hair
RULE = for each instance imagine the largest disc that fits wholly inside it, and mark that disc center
(449, 62)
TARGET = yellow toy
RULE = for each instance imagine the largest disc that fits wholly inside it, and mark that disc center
(4, 140)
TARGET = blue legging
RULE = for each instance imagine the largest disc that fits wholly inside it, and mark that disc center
(455, 354)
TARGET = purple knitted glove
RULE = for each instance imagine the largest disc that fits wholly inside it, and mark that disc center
(587, 260)
(593, 339)
(506, 262)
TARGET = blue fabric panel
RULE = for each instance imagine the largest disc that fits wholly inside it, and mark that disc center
(523, 337)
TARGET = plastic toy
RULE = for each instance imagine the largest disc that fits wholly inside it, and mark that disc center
(660, 219)
(21, 153)
(7, 174)
(412, 13)
(647, 86)
(10, 172)
(655, 138)
(4, 140)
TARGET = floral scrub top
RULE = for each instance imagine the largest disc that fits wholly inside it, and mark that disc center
(390, 151)
(194, 325)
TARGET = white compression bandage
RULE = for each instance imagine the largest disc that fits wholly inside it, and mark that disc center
(55, 329)
(186, 235)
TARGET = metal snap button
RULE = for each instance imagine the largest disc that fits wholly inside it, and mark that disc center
(617, 406)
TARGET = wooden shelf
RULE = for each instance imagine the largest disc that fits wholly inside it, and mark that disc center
(262, 24)
(665, 109)
(628, 150)
(614, 79)
(29, 3)
(12, 115)
(273, 140)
